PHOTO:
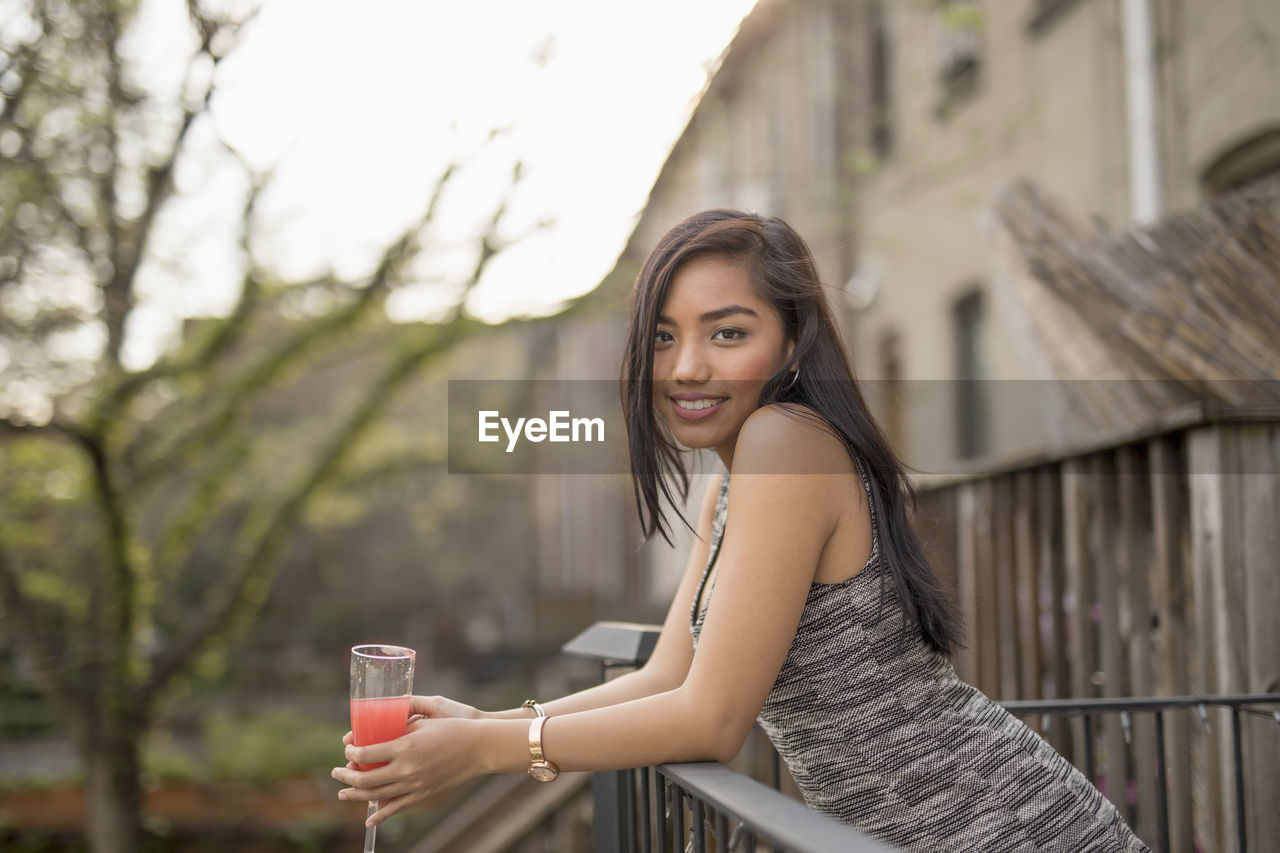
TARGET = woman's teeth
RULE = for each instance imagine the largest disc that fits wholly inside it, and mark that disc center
(695, 405)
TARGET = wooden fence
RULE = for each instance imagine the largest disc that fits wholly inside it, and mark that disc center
(1147, 567)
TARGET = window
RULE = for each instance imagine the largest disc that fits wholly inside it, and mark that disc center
(881, 117)
(1252, 160)
(891, 386)
(959, 52)
(1045, 12)
(971, 405)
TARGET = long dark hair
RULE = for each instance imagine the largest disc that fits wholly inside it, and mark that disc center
(782, 268)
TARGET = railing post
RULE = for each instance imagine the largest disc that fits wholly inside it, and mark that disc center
(1162, 772)
(607, 831)
(677, 815)
(642, 816)
(627, 784)
(663, 796)
(1088, 749)
(1242, 830)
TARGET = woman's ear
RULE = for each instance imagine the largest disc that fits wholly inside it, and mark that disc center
(791, 347)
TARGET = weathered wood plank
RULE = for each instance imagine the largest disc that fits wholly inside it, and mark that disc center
(1053, 578)
(1078, 592)
(935, 523)
(1027, 578)
(1259, 483)
(1219, 654)
(966, 581)
(1109, 579)
(1170, 590)
(1133, 522)
(1004, 578)
(986, 627)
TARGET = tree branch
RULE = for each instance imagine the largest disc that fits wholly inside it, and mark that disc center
(124, 570)
(258, 552)
(221, 340)
(52, 192)
(180, 529)
(128, 254)
(294, 347)
(117, 291)
(24, 62)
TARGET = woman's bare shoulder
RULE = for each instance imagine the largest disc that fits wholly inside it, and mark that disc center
(789, 439)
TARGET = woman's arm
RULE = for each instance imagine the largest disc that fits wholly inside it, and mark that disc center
(780, 525)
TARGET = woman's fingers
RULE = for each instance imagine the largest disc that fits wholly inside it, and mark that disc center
(374, 777)
(440, 706)
(374, 753)
(371, 785)
(434, 706)
(393, 805)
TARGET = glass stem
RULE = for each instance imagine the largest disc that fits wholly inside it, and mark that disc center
(370, 832)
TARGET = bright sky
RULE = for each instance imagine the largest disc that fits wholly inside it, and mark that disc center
(359, 106)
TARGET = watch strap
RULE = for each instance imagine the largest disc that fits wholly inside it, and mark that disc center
(535, 739)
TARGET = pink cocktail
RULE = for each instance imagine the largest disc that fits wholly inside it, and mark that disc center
(381, 684)
(377, 721)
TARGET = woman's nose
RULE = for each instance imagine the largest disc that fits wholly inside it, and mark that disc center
(691, 365)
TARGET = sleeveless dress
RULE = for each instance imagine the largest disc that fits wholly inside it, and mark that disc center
(878, 731)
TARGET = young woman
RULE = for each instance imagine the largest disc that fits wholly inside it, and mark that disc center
(810, 608)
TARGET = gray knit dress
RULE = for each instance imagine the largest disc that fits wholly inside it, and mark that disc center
(878, 731)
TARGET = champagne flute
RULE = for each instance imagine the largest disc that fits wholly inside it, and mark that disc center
(381, 688)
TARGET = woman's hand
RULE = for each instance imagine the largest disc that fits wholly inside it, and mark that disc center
(437, 752)
(432, 707)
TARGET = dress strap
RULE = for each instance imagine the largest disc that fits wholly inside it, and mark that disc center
(717, 539)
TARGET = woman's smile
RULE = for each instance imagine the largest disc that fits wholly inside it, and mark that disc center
(696, 406)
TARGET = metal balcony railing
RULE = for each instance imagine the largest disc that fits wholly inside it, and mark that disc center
(708, 806)
(695, 807)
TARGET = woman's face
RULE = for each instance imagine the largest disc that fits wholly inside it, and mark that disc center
(717, 344)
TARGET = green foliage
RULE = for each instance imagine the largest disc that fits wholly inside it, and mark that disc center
(22, 711)
(265, 748)
(13, 841)
(314, 833)
(165, 763)
(46, 525)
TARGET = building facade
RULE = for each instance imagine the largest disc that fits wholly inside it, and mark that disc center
(882, 131)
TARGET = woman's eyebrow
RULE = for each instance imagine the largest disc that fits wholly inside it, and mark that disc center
(717, 314)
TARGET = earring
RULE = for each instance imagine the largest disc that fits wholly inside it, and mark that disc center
(795, 377)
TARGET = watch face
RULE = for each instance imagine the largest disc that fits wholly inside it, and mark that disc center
(543, 771)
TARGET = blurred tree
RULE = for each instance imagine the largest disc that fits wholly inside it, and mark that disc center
(116, 482)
